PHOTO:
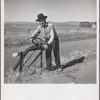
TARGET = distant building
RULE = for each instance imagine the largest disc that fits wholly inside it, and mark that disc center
(93, 25)
(85, 24)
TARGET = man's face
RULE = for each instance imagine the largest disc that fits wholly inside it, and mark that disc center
(42, 21)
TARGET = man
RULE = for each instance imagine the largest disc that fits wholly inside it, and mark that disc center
(49, 34)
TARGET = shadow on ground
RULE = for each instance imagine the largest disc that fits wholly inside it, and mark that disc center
(71, 63)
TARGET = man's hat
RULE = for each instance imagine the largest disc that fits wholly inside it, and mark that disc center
(40, 16)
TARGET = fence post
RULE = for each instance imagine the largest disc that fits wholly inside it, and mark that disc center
(21, 62)
(41, 59)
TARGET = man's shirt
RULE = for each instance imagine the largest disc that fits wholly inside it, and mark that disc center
(46, 32)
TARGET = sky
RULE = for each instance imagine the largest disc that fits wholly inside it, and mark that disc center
(56, 10)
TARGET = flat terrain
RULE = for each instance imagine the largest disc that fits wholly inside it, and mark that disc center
(77, 51)
(79, 66)
(18, 33)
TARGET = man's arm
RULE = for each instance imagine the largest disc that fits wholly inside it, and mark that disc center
(35, 34)
(51, 36)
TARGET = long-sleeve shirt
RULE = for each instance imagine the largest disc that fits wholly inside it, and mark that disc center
(47, 32)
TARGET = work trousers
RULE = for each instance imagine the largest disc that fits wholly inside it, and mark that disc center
(56, 52)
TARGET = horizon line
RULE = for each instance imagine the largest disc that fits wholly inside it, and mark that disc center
(50, 21)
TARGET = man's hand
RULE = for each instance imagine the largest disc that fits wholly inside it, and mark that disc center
(45, 47)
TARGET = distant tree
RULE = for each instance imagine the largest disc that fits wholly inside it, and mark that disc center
(28, 31)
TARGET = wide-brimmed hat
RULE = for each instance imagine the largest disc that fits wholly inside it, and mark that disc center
(40, 16)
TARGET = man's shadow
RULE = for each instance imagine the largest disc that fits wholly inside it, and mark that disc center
(71, 63)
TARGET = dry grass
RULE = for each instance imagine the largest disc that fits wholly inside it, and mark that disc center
(16, 77)
(17, 34)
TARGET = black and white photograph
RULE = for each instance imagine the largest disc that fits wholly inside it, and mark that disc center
(50, 41)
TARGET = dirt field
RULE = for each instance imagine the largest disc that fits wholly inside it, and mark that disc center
(79, 67)
(18, 33)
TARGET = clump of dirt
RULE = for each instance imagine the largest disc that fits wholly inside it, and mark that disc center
(12, 77)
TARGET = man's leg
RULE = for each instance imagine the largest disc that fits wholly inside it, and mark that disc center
(56, 53)
(48, 59)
